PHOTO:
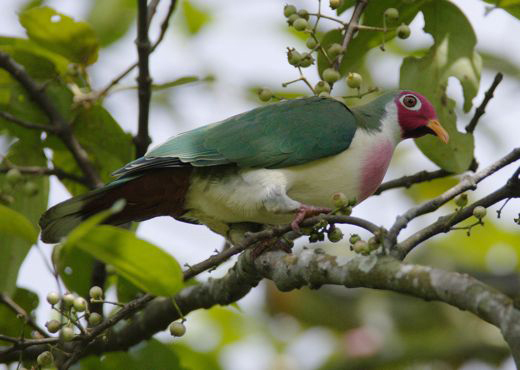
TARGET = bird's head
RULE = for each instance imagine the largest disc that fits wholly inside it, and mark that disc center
(417, 116)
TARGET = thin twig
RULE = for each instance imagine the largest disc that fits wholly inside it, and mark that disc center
(20, 122)
(44, 171)
(142, 139)
(61, 127)
(407, 181)
(13, 306)
(351, 28)
(482, 107)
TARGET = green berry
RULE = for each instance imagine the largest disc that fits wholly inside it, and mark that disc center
(335, 235)
(68, 300)
(335, 4)
(292, 19)
(80, 304)
(177, 329)
(95, 319)
(294, 57)
(322, 87)
(289, 10)
(95, 292)
(30, 188)
(13, 175)
(53, 326)
(331, 75)
(391, 13)
(303, 14)
(354, 238)
(265, 95)
(339, 200)
(373, 243)
(403, 31)
(479, 212)
(300, 24)
(314, 237)
(354, 80)
(311, 43)
(45, 359)
(361, 247)
(334, 50)
(461, 200)
(307, 60)
(53, 298)
(67, 334)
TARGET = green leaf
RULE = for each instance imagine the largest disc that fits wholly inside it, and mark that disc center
(107, 145)
(510, 6)
(152, 355)
(13, 249)
(145, 265)
(12, 325)
(59, 33)
(13, 223)
(101, 17)
(452, 54)
(194, 17)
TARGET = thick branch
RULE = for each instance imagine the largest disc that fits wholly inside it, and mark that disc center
(144, 81)
(59, 125)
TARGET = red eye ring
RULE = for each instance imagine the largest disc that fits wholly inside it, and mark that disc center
(409, 101)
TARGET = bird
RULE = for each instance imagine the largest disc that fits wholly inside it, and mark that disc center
(275, 164)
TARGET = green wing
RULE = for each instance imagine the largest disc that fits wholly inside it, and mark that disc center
(278, 135)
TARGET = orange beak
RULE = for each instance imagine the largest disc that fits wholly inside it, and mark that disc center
(436, 127)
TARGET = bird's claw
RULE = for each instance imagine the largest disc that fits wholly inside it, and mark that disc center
(306, 211)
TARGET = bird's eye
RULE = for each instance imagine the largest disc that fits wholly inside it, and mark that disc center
(410, 102)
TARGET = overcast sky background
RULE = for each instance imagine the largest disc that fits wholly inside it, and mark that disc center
(245, 45)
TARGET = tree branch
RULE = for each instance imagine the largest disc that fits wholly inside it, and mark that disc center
(482, 107)
(20, 122)
(61, 128)
(409, 180)
(351, 28)
(144, 81)
(467, 183)
(44, 171)
(13, 306)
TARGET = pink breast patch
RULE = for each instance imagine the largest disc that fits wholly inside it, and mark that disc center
(374, 167)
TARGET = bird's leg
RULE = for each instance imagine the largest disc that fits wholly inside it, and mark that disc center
(305, 211)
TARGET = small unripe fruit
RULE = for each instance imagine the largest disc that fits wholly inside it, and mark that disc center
(354, 238)
(354, 80)
(392, 13)
(461, 200)
(265, 95)
(53, 326)
(335, 4)
(30, 188)
(314, 237)
(361, 247)
(95, 292)
(177, 329)
(95, 319)
(307, 60)
(292, 19)
(68, 300)
(373, 243)
(335, 235)
(294, 57)
(303, 14)
(479, 212)
(13, 175)
(300, 24)
(311, 43)
(45, 359)
(331, 75)
(67, 334)
(53, 298)
(403, 31)
(334, 50)
(339, 200)
(80, 304)
(289, 10)
(322, 87)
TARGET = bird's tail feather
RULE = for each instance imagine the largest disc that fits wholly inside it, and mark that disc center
(150, 194)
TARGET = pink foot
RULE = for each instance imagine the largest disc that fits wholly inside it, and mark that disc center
(304, 212)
